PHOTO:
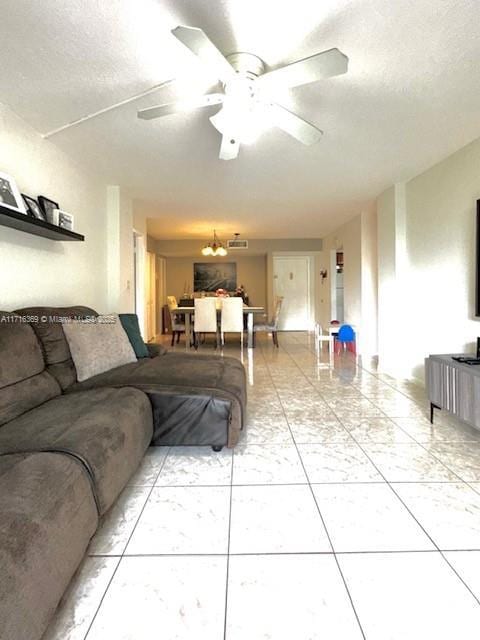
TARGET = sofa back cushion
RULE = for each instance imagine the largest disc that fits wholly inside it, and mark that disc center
(47, 324)
(24, 382)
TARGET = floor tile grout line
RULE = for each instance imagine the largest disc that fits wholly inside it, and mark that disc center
(119, 559)
(124, 549)
(320, 515)
(227, 577)
(318, 507)
(292, 553)
(154, 486)
(398, 426)
(375, 376)
(443, 552)
(297, 484)
(392, 488)
(406, 507)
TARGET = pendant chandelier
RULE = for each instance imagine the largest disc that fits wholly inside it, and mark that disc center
(214, 248)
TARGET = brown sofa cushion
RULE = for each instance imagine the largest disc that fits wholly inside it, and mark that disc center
(47, 517)
(24, 383)
(50, 333)
(108, 430)
(179, 373)
(182, 374)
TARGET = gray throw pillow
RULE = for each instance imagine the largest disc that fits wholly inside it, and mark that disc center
(98, 346)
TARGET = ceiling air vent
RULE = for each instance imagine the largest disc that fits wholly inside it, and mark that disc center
(236, 243)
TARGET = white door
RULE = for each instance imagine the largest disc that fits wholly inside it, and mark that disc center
(292, 279)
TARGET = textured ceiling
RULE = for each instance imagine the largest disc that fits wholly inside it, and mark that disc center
(410, 98)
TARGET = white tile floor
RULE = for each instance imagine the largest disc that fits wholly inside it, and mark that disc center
(343, 514)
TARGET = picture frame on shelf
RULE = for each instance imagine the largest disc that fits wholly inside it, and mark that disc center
(47, 207)
(64, 219)
(10, 196)
(33, 208)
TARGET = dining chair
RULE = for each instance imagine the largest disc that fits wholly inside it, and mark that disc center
(321, 338)
(272, 326)
(232, 318)
(205, 319)
(177, 320)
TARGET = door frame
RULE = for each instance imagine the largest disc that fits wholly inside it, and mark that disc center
(140, 251)
(161, 287)
(151, 296)
(312, 278)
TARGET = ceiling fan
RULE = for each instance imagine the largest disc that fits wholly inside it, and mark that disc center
(247, 99)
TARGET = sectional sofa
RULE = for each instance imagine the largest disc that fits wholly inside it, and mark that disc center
(67, 449)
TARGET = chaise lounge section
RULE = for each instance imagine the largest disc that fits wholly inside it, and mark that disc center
(196, 400)
(67, 449)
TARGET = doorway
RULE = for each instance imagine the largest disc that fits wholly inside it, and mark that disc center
(292, 279)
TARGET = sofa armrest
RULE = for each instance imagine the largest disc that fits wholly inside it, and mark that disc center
(156, 350)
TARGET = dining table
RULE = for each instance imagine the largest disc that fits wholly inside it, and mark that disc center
(248, 311)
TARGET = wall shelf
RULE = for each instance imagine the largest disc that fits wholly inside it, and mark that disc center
(23, 222)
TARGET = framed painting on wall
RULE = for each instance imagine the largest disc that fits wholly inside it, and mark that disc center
(210, 276)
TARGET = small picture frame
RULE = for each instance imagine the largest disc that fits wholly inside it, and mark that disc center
(10, 196)
(65, 220)
(33, 208)
(47, 206)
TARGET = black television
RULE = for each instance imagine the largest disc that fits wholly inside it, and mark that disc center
(477, 259)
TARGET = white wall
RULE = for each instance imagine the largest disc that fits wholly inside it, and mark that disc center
(387, 294)
(120, 275)
(346, 238)
(36, 270)
(369, 284)
(251, 272)
(438, 265)
(358, 241)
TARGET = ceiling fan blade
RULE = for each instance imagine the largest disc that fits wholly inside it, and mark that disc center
(295, 126)
(180, 106)
(199, 43)
(322, 65)
(229, 148)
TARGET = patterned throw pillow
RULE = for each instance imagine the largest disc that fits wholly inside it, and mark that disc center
(98, 345)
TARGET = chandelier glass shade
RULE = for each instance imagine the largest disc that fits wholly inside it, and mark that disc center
(214, 248)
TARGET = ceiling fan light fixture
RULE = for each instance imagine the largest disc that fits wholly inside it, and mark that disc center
(245, 123)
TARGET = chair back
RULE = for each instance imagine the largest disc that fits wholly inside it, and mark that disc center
(346, 333)
(205, 320)
(276, 311)
(232, 315)
(172, 303)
